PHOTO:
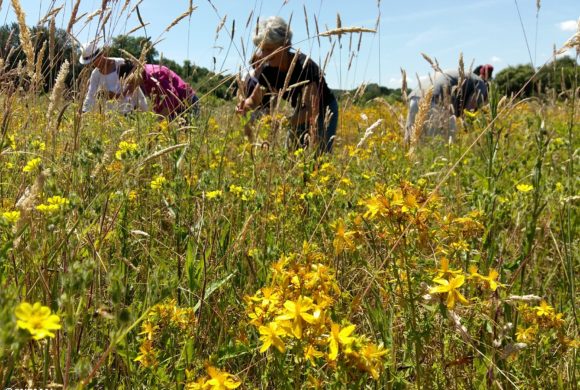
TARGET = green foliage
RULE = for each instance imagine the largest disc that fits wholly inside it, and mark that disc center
(557, 76)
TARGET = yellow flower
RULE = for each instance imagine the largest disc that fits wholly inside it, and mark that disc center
(221, 380)
(213, 194)
(147, 355)
(544, 309)
(158, 182)
(31, 165)
(11, 217)
(311, 354)
(53, 205)
(343, 239)
(236, 190)
(445, 270)
(491, 280)
(298, 312)
(37, 319)
(270, 335)
(339, 337)
(450, 287)
(126, 149)
(371, 356)
(525, 335)
(148, 329)
(132, 195)
(524, 187)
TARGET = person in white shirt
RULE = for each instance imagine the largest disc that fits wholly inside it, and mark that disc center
(105, 76)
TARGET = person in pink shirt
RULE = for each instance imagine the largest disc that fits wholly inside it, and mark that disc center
(170, 95)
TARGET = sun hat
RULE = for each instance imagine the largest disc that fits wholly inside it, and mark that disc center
(90, 51)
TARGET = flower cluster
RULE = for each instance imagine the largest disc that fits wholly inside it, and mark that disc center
(165, 321)
(296, 314)
(543, 320)
(126, 149)
(216, 380)
(53, 205)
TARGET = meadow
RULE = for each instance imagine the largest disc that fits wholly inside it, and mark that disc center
(141, 253)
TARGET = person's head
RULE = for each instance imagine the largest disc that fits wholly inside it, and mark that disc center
(484, 71)
(92, 53)
(273, 38)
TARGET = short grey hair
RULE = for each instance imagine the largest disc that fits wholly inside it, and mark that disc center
(273, 31)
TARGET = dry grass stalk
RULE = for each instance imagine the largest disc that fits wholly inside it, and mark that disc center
(180, 18)
(136, 6)
(317, 29)
(25, 40)
(306, 21)
(571, 43)
(50, 14)
(461, 69)
(92, 15)
(26, 202)
(422, 116)
(368, 132)
(404, 85)
(51, 41)
(434, 63)
(220, 26)
(57, 95)
(346, 30)
(38, 68)
(73, 16)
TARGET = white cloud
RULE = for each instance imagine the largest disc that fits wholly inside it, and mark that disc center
(568, 25)
(496, 59)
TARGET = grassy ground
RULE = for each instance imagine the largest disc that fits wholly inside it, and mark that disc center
(181, 255)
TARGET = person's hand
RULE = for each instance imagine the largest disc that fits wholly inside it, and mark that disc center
(243, 106)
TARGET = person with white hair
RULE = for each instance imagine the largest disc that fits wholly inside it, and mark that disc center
(106, 77)
(298, 80)
(451, 95)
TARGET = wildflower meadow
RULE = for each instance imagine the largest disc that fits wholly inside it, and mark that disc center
(141, 252)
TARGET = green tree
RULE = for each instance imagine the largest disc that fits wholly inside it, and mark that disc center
(134, 46)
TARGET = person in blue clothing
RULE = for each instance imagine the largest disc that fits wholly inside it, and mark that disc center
(298, 80)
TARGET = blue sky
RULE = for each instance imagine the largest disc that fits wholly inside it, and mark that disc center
(485, 31)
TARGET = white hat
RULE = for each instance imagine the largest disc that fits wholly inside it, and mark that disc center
(90, 51)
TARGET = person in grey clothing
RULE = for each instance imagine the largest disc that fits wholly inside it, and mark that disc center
(448, 102)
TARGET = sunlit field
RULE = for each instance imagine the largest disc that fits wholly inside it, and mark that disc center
(138, 252)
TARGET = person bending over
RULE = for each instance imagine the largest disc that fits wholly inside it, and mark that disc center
(448, 101)
(298, 80)
(106, 77)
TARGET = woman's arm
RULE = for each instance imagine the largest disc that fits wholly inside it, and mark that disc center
(90, 99)
(251, 101)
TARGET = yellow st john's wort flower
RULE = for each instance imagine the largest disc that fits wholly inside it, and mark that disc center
(11, 217)
(221, 380)
(544, 309)
(311, 354)
(37, 320)
(31, 165)
(339, 337)
(213, 194)
(524, 187)
(53, 204)
(158, 182)
(298, 313)
(450, 287)
(343, 240)
(270, 335)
